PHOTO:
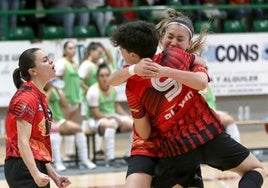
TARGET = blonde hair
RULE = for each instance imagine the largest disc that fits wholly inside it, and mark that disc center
(171, 15)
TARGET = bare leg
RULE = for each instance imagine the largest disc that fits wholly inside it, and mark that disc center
(251, 165)
(138, 180)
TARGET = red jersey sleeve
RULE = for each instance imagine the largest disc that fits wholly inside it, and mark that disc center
(136, 108)
(199, 68)
(25, 107)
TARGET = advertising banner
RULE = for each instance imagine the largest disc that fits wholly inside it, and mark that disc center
(237, 63)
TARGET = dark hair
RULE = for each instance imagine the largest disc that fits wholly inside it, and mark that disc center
(102, 66)
(91, 47)
(139, 37)
(26, 61)
(65, 46)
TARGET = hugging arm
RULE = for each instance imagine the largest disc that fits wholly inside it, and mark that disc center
(200, 60)
(145, 68)
(195, 80)
(196, 77)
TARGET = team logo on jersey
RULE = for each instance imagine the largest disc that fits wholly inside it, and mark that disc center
(40, 108)
(172, 86)
(44, 127)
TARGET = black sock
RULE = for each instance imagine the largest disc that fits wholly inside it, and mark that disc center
(251, 179)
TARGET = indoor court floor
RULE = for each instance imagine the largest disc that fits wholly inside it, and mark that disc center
(212, 179)
(104, 177)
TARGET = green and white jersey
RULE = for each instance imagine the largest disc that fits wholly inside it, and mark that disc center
(106, 103)
(54, 105)
(70, 76)
(210, 98)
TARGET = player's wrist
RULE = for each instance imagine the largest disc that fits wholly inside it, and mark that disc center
(131, 70)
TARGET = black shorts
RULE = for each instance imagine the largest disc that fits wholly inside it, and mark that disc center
(141, 164)
(183, 170)
(18, 175)
(223, 153)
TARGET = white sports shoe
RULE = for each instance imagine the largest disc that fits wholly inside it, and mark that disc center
(89, 164)
(60, 167)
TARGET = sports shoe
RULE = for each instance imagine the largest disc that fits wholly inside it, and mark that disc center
(113, 163)
(100, 153)
(126, 158)
(59, 167)
(89, 164)
(69, 157)
(123, 162)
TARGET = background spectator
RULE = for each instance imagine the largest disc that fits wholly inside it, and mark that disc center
(109, 115)
(67, 70)
(245, 14)
(195, 15)
(88, 73)
(121, 17)
(60, 126)
(214, 15)
(12, 20)
(35, 21)
(101, 18)
(68, 20)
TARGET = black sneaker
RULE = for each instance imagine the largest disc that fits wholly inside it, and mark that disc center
(100, 153)
(113, 163)
(123, 162)
(126, 158)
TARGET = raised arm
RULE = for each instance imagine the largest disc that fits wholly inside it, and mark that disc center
(199, 60)
(145, 68)
(119, 76)
(197, 80)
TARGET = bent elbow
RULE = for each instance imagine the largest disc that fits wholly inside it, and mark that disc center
(144, 136)
(203, 85)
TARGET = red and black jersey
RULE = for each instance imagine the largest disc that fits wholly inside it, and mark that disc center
(180, 118)
(29, 104)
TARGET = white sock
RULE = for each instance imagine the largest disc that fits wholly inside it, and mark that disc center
(115, 124)
(130, 140)
(69, 145)
(56, 139)
(85, 125)
(109, 138)
(98, 142)
(81, 143)
(233, 131)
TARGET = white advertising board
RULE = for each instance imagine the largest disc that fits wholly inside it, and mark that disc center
(11, 50)
(237, 63)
